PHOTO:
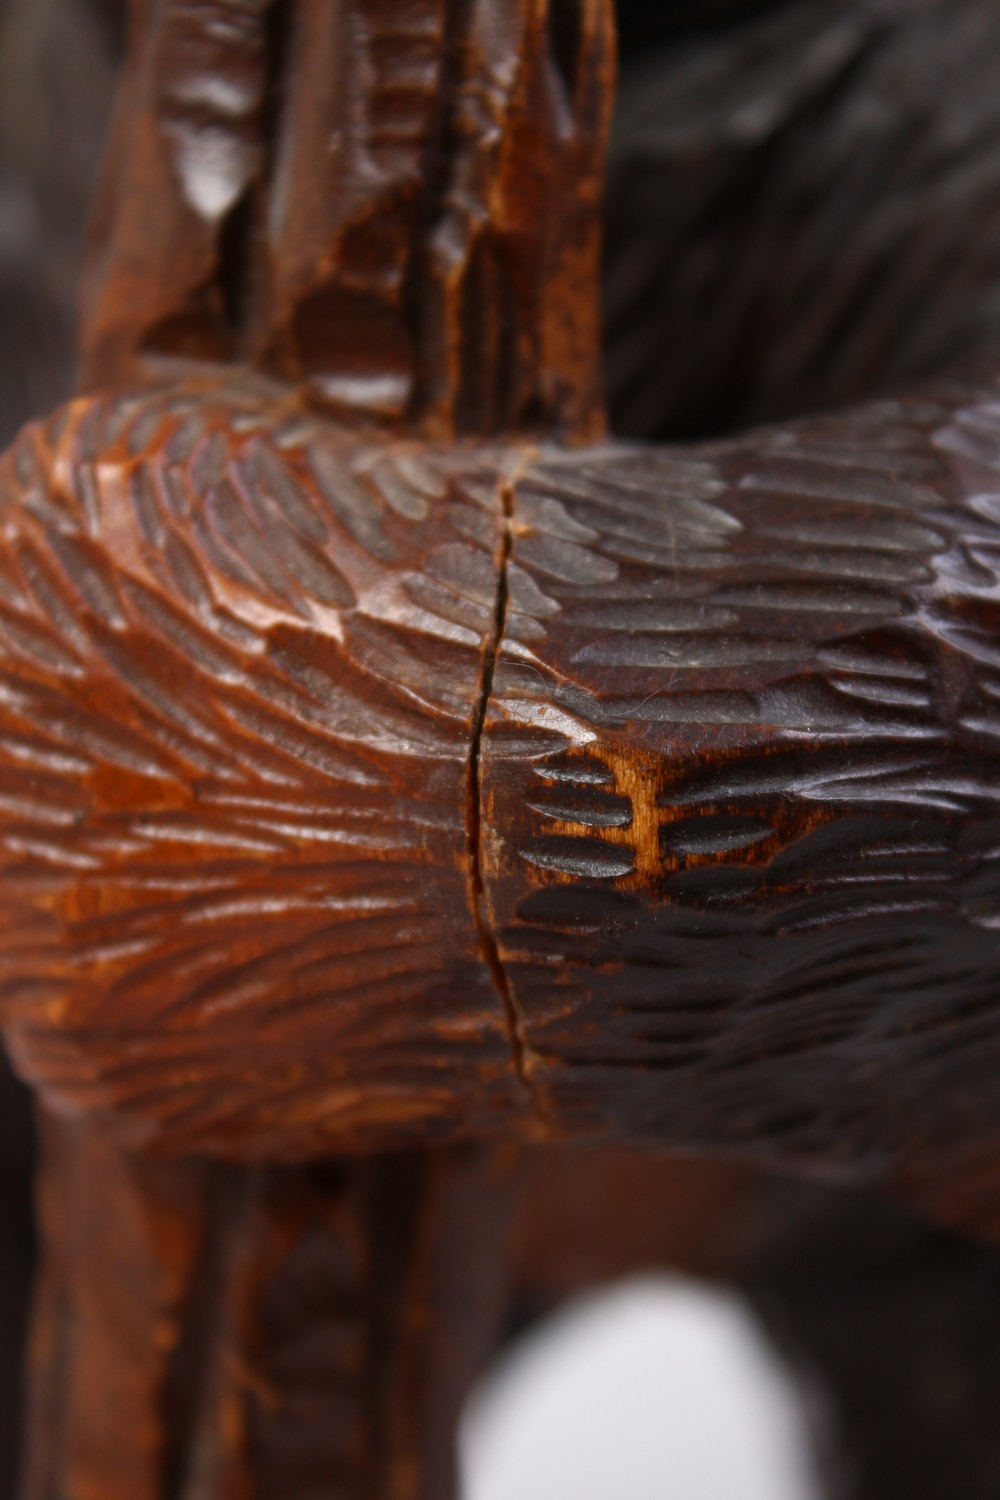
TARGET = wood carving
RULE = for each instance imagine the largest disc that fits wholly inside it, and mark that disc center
(802, 206)
(426, 791)
(396, 204)
(274, 1332)
(280, 714)
(394, 770)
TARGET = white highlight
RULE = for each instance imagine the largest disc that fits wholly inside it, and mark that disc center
(659, 1388)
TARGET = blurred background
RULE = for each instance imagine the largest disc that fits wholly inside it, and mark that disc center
(658, 1387)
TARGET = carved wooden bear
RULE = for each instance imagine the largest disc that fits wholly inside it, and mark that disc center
(390, 762)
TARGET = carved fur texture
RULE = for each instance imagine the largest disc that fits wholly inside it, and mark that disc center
(353, 793)
(803, 206)
(243, 657)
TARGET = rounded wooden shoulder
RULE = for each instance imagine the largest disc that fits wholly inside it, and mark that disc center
(242, 670)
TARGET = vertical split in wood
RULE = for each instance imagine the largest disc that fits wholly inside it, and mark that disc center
(184, 155)
(393, 204)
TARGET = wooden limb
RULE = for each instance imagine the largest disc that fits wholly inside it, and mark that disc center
(890, 1327)
(892, 1330)
(121, 1248)
(395, 202)
(738, 772)
(185, 152)
(436, 792)
(208, 1333)
(438, 1227)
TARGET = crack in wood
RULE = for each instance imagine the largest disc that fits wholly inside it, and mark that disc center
(488, 943)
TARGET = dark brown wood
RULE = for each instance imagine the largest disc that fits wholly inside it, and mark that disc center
(389, 765)
(738, 747)
(739, 775)
(271, 745)
(787, 230)
(212, 1333)
(394, 201)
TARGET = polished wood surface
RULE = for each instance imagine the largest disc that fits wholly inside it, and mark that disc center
(399, 778)
(427, 791)
(395, 203)
(213, 1331)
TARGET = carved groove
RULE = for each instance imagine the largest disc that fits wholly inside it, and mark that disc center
(487, 937)
(197, 1372)
(292, 717)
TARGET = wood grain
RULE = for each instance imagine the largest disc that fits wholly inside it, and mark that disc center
(343, 871)
(388, 764)
(395, 202)
(739, 779)
(802, 209)
(242, 661)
